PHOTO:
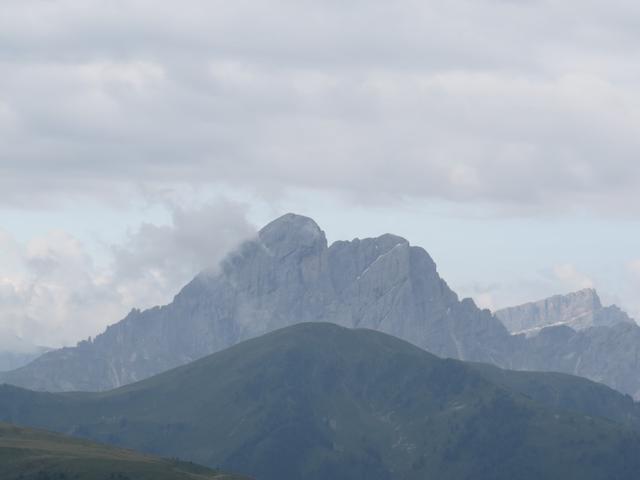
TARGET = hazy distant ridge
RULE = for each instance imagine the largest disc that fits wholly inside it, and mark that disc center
(578, 310)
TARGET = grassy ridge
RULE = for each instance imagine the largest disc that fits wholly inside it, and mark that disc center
(317, 401)
(35, 454)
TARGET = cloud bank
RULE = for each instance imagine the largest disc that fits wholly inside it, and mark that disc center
(54, 293)
(523, 105)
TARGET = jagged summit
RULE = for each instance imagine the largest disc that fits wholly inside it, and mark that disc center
(285, 275)
(292, 232)
(587, 297)
(292, 221)
(578, 310)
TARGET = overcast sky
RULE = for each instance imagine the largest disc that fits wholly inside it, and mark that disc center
(141, 140)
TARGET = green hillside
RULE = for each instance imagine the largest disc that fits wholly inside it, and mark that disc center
(317, 401)
(567, 392)
(35, 454)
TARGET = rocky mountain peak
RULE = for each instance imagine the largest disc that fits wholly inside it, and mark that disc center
(285, 275)
(291, 232)
(587, 298)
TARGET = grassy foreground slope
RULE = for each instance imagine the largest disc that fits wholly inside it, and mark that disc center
(318, 401)
(35, 454)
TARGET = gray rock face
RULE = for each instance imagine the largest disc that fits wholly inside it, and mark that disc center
(609, 355)
(575, 334)
(287, 275)
(578, 310)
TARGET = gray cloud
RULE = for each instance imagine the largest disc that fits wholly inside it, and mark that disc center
(522, 105)
(172, 254)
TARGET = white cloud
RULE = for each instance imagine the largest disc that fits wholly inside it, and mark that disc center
(155, 261)
(634, 267)
(485, 300)
(53, 292)
(571, 278)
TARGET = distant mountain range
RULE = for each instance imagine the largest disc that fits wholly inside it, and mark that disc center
(27, 454)
(289, 274)
(16, 352)
(579, 310)
(10, 360)
(576, 334)
(318, 401)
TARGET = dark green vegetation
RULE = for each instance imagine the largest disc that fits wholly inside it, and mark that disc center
(567, 392)
(317, 401)
(27, 454)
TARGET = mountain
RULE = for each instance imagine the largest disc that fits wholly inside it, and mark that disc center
(318, 401)
(578, 310)
(10, 360)
(576, 334)
(567, 392)
(287, 274)
(27, 454)
(610, 355)
(16, 352)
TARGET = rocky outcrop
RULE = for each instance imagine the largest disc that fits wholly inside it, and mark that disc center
(576, 334)
(578, 310)
(609, 355)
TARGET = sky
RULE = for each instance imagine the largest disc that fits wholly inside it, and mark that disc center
(141, 141)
